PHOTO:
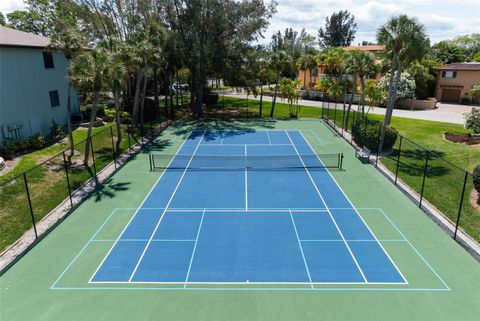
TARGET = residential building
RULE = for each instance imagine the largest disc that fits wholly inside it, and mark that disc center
(454, 81)
(33, 86)
(310, 77)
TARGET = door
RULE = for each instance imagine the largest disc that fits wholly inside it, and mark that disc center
(450, 95)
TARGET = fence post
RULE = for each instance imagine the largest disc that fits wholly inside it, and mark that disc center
(129, 143)
(461, 205)
(30, 205)
(398, 159)
(424, 176)
(379, 137)
(93, 160)
(323, 103)
(335, 116)
(113, 149)
(68, 179)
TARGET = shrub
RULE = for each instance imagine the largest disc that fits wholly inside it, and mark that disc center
(367, 133)
(8, 151)
(472, 121)
(56, 132)
(465, 101)
(36, 141)
(87, 111)
(109, 115)
(476, 180)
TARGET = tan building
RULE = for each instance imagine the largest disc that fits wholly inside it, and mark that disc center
(310, 77)
(454, 81)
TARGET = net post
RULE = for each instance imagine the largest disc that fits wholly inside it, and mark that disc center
(150, 161)
(341, 161)
(113, 148)
(461, 205)
(65, 165)
(424, 176)
(30, 205)
(398, 159)
(335, 115)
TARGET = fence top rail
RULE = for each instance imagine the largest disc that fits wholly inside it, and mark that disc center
(2, 183)
(431, 153)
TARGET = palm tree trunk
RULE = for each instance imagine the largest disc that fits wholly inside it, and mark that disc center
(390, 102)
(274, 96)
(142, 98)
(305, 79)
(116, 98)
(176, 90)
(170, 93)
(88, 141)
(156, 101)
(136, 97)
(69, 121)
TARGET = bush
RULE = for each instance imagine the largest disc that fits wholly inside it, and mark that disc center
(472, 121)
(109, 115)
(210, 98)
(56, 132)
(368, 134)
(465, 101)
(87, 111)
(36, 141)
(476, 181)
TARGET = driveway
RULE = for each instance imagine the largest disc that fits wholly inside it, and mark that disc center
(448, 113)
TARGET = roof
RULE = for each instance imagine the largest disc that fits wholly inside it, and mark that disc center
(461, 66)
(14, 38)
(366, 48)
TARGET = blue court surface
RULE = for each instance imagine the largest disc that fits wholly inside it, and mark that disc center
(293, 225)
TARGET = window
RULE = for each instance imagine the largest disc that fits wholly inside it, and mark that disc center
(449, 74)
(54, 100)
(48, 60)
(313, 72)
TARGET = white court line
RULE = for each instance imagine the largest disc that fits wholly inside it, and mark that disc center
(194, 249)
(241, 144)
(268, 136)
(316, 136)
(143, 240)
(331, 216)
(246, 181)
(137, 210)
(83, 249)
(301, 249)
(333, 240)
(166, 207)
(356, 211)
(414, 249)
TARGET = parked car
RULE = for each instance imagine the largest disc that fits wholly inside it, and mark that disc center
(179, 86)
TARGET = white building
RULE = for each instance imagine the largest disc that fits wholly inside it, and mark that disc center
(33, 86)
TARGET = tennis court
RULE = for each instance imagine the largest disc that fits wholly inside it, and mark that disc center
(247, 207)
(245, 220)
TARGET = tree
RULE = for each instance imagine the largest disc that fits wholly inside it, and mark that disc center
(405, 41)
(288, 91)
(236, 25)
(277, 61)
(3, 22)
(89, 73)
(66, 37)
(340, 29)
(475, 92)
(373, 93)
(306, 62)
(37, 19)
(424, 80)
(448, 52)
(360, 64)
(472, 121)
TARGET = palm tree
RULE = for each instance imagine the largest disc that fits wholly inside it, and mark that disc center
(88, 72)
(277, 61)
(301, 64)
(405, 41)
(67, 38)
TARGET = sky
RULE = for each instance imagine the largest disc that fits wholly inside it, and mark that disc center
(443, 19)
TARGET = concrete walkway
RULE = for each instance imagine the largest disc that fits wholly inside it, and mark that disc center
(448, 113)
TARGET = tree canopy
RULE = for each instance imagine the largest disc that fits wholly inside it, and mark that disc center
(340, 29)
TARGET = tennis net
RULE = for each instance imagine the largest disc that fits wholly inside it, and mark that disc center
(241, 162)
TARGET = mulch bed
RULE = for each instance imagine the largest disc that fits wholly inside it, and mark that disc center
(468, 139)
